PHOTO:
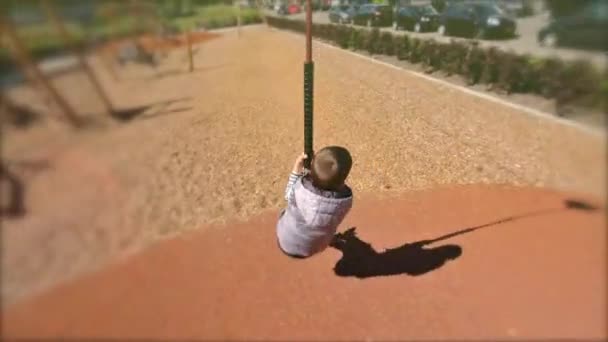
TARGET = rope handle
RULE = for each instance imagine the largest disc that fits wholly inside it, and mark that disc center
(308, 109)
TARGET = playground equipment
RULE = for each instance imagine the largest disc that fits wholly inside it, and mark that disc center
(84, 65)
(237, 5)
(135, 52)
(189, 47)
(33, 72)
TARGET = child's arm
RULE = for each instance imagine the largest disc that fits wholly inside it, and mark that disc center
(293, 178)
(296, 173)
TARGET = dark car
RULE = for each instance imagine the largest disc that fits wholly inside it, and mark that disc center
(341, 14)
(416, 18)
(586, 28)
(478, 20)
(373, 15)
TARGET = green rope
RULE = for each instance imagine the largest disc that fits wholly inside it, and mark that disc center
(308, 107)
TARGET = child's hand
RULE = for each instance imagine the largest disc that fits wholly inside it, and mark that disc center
(298, 167)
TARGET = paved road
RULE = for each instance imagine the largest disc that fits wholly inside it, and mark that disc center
(525, 43)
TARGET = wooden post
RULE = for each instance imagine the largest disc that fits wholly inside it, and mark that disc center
(136, 13)
(27, 74)
(26, 61)
(106, 57)
(189, 46)
(71, 43)
(107, 54)
(238, 17)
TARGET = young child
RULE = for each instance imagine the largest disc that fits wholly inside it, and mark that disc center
(317, 202)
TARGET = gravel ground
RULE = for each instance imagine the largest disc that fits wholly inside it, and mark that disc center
(222, 147)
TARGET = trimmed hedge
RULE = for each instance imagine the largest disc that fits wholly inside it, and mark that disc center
(576, 82)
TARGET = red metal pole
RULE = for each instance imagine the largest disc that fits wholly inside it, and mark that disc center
(308, 31)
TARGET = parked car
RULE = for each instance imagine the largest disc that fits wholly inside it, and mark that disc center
(373, 15)
(416, 18)
(294, 9)
(341, 14)
(477, 20)
(281, 9)
(586, 28)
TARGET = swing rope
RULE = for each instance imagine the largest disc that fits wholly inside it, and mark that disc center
(308, 89)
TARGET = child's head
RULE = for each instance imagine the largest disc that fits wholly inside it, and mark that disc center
(330, 167)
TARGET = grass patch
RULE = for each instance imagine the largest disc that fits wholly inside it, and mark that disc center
(211, 17)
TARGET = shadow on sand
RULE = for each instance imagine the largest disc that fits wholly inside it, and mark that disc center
(151, 110)
(178, 72)
(17, 115)
(361, 260)
(12, 186)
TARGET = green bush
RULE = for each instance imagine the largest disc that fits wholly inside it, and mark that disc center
(490, 66)
(218, 16)
(399, 47)
(321, 31)
(581, 84)
(355, 41)
(548, 76)
(415, 51)
(453, 55)
(566, 82)
(534, 65)
(430, 54)
(511, 73)
(342, 36)
(363, 38)
(372, 41)
(407, 45)
(386, 44)
(474, 64)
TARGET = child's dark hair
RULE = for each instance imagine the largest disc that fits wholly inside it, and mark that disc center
(330, 167)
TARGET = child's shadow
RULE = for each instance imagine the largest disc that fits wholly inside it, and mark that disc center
(359, 259)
